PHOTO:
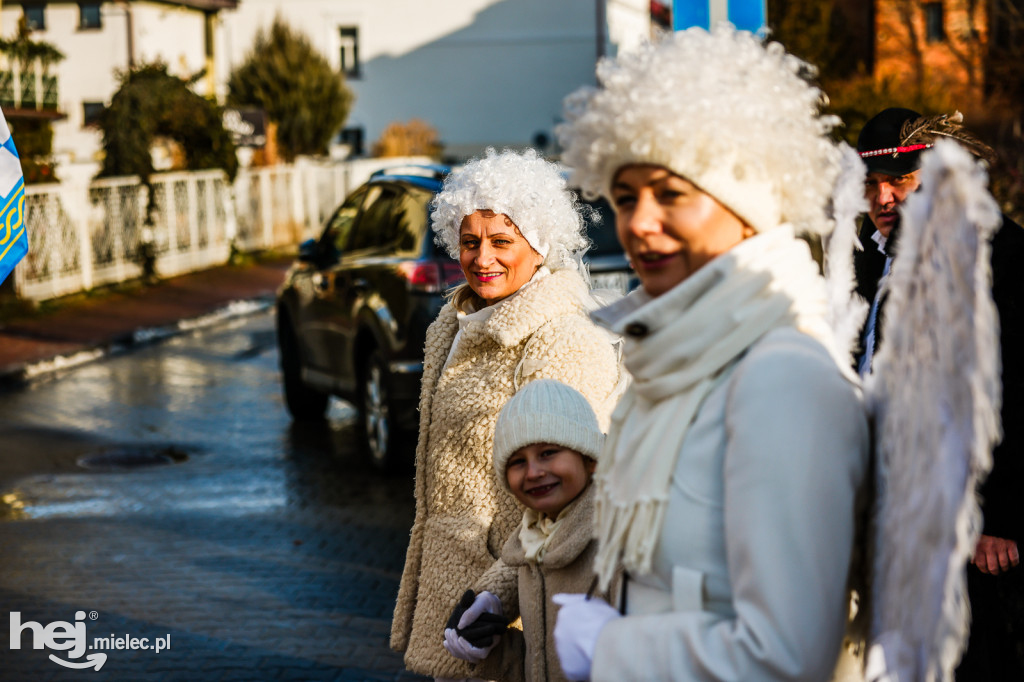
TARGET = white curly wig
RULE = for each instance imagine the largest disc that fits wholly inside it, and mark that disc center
(732, 115)
(533, 194)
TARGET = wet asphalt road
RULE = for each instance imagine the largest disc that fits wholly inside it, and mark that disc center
(165, 495)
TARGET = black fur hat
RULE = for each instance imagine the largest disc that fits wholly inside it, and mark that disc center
(892, 141)
(880, 143)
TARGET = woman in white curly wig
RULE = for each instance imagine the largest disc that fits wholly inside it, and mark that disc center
(728, 481)
(522, 315)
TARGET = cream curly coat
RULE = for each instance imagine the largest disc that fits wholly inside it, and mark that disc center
(462, 517)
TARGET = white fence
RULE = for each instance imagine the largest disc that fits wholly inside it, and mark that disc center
(82, 236)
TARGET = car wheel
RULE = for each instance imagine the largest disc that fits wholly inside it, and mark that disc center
(304, 403)
(381, 435)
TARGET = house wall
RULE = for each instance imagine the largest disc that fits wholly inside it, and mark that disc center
(950, 69)
(174, 35)
(629, 24)
(482, 72)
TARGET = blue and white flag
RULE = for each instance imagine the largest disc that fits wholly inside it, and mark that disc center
(746, 15)
(13, 240)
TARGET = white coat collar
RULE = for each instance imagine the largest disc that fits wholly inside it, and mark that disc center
(563, 292)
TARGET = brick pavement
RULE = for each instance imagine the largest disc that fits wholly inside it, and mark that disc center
(243, 596)
(272, 553)
(252, 597)
(110, 319)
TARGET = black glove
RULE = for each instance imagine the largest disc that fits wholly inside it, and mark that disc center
(480, 632)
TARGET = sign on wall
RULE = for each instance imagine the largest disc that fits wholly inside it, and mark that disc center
(247, 127)
(747, 15)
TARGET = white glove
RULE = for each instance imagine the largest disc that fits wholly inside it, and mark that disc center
(580, 621)
(460, 648)
(485, 602)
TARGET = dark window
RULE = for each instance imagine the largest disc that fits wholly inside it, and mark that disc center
(35, 17)
(338, 227)
(89, 15)
(376, 225)
(349, 51)
(934, 29)
(353, 137)
(91, 112)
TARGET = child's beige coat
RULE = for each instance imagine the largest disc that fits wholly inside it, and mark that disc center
(566, 568)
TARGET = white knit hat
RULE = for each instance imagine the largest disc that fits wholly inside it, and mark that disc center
(545, 411)
(734, 116)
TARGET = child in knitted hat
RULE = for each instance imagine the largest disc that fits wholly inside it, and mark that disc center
(546, 445)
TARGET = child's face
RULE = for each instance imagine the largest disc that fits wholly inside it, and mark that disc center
(548, 477)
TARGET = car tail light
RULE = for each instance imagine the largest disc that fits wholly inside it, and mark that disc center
(451, 273)
(430, 276)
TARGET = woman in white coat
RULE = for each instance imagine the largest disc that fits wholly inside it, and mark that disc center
(728, 484)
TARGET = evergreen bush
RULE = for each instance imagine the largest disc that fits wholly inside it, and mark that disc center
(285, 76)
(151, 103)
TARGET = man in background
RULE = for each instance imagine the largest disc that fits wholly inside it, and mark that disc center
(891, 144)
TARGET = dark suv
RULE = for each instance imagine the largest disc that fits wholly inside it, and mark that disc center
(353, 313)
(607, 262)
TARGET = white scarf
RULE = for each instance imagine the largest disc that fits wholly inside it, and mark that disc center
(535, 533)
(694, 332)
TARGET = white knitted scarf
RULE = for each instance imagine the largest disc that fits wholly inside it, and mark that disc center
(695, 332)
(536, 531)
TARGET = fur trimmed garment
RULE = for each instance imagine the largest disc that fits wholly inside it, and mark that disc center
(463, 517)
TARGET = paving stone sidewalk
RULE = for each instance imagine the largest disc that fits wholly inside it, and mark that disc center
(84, 327)
(271, 552)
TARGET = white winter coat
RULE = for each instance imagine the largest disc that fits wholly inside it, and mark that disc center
(749, 574)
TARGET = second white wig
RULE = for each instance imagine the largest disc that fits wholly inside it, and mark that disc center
(533, 194)
(730, 114)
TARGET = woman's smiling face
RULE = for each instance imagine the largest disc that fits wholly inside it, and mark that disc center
(668, 227)
(496, 259)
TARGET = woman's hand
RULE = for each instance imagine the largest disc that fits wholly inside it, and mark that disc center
(580, 621)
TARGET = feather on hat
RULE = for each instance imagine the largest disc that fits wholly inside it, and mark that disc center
(927, 129)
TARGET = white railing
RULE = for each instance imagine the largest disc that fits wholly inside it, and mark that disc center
(27, 84)
(81, 237)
